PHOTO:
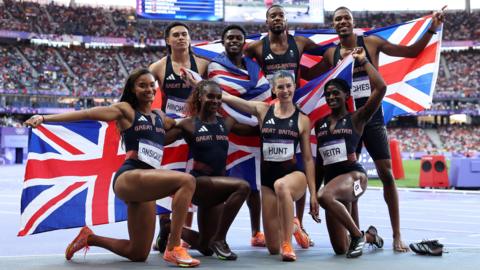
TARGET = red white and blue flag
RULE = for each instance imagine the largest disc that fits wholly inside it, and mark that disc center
(68, 177)
(410, 81)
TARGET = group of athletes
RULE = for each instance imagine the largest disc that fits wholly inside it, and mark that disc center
(335, 180)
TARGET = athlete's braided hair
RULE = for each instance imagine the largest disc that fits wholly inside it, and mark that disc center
(193, 102)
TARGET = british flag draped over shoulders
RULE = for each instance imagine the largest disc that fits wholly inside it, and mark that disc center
(410, 81)
(70, 167)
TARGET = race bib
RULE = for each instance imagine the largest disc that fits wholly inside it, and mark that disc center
(150, 153)
(357, 188)
(278, 150)
(175, 106)
(361, 87)
(333, 151)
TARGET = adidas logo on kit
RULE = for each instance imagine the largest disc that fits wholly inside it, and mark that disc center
(171, 77)
(324, 125)
(142, 118)
(203, 129)
(269, 57)
(270, 121)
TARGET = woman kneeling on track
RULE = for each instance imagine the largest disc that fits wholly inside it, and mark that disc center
(345, 179)
(218, 197)
(139, 181)
(282, 128)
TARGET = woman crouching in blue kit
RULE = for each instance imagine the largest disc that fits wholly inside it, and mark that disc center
(218, 197)
(345, 179)
(139, 182)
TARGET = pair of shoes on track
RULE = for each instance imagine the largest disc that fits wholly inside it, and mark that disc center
(377, 240)
(427, 247)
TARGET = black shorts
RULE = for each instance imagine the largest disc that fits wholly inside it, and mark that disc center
(375, 139)
(271, 172)
(333, 171)
(128, 165)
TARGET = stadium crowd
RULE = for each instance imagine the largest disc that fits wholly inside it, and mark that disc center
(98, 21)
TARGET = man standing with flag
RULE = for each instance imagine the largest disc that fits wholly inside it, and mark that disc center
(241, 76)
(375, 135)
(174, 90)
(281, 51)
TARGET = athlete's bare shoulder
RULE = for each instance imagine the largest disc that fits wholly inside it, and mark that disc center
(202, 64)
(254, 49)
(158, 68)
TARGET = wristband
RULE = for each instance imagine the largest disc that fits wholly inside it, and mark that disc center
(43, 118)
(431, 32)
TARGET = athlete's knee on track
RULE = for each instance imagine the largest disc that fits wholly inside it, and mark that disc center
(340, 249)
(139, 255)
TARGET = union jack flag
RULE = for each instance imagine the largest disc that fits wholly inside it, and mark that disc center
(410, 81)
(68, 177)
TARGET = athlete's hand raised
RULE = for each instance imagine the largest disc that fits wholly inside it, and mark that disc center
(34, 121)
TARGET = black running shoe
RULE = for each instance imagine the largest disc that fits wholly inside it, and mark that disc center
(377, 240)
(162, 238)
(356, 246)
(427, 247)
(222, 250)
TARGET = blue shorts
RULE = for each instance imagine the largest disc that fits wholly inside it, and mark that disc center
(128, 165)
(375, 139)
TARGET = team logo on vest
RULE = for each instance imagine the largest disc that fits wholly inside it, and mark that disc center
(270, 122)
(170, 78)
(203, 129)
(269, 57)
(291, 53)
(221, 128)
(324, 125)
(290, 123)
(142, 119)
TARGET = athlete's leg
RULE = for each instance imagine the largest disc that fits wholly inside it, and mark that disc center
(288, 189)
(270, 219)
(141, 228)
(338, 234)
(254, 207)
(340, 191)
(228, 191)
(390, 194)
(300, 208)
(150, 185)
